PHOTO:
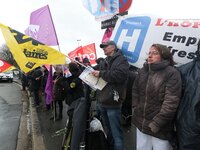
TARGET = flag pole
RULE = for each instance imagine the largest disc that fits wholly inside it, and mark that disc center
(54, 102)
(55, 35)
(59, 45)
(88, 67)
(53, 25)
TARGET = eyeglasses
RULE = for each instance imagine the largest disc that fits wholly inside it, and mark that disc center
(153, 53)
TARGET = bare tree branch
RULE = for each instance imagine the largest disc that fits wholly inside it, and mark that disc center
(6, 55)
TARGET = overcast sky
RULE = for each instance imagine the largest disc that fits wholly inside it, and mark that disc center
(73, 22)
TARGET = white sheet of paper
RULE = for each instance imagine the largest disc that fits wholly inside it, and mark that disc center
(94, 82)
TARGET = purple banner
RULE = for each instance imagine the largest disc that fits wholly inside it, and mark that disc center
(41, 27)
(49, 87)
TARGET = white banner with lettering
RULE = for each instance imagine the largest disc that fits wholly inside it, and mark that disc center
(135, 34)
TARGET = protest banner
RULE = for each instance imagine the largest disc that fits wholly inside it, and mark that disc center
(28, 52)
(41, 27)
(4, 66)
(136, 33)
(87, 51)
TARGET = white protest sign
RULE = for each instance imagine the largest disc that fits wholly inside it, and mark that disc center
(135, 34)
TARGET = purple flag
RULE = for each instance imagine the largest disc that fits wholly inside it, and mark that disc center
(49, 87)
(41, 27)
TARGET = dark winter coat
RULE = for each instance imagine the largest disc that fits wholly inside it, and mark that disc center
(114, 70)
(127, 104)
(156, 95)
(188, 117)
(35, 78)
(44, 79)
(75, 90)
(59, 88)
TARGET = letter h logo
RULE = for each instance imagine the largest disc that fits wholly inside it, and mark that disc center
(130, 36)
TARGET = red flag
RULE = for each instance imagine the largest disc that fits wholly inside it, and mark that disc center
(4, 65)
(41, 27)
(88, 51)
(75, 52)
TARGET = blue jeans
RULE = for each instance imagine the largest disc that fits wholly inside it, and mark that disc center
(111, 120)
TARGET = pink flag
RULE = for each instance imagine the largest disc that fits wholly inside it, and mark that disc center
(41, 27)
(49, 87)
(107, 35)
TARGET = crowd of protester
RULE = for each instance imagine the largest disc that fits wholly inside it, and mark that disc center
(147, 98)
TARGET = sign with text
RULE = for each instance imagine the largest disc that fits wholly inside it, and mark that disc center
(135, 34)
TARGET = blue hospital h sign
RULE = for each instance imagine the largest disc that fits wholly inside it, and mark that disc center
(130, 36)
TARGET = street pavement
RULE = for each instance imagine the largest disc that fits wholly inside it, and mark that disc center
(13, 119)
(43, 130)
(52, 141)
(10, 110)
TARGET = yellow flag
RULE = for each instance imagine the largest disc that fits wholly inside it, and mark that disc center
(10, 68)
(28, 52)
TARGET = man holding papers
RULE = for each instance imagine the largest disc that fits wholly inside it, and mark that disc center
(114, 71)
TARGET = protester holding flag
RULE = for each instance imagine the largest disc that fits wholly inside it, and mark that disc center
(114, 71)
(24, 81)
(59, 90)
(44, 83)
(36, 77)
(156, 94)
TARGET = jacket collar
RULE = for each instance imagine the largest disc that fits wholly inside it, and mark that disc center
(156, 66)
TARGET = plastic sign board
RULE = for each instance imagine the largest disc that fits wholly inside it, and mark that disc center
(111, 22)
(135, 34)
(102, 9)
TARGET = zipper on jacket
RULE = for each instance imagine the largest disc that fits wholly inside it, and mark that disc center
(145, 103)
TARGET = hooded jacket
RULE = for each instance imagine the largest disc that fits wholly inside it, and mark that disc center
(188, 117)
(156, 94)
(114, 70)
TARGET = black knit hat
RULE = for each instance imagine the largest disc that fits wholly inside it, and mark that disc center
(86, 60)
(73, 67)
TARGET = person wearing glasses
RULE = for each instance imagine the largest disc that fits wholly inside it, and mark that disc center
(155, 95)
